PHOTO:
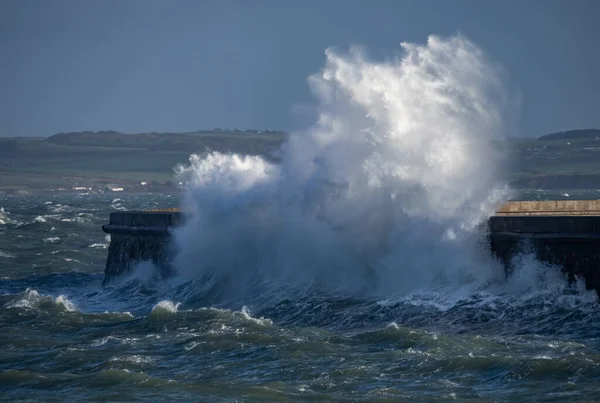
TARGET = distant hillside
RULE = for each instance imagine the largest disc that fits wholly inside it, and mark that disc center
(249, 141)
(91, 158)
(565, 160)
(582, 134)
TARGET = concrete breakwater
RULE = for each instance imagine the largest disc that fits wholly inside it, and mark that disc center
(137, 236)
(563, 232)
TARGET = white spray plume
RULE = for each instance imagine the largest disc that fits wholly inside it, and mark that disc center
(384, 194)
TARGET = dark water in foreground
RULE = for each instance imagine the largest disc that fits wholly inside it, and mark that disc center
(64, 338)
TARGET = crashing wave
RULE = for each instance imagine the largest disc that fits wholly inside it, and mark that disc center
(33, 300)
(385, 194)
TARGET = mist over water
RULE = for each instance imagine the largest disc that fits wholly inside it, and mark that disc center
(384, 195)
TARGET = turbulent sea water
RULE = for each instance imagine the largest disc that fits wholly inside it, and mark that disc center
(65, 338)
(353, 270)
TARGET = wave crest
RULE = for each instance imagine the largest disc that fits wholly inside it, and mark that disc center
(32, 299)
(387, 194)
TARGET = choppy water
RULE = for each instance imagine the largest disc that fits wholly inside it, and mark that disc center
(64, 338)
(353, 270)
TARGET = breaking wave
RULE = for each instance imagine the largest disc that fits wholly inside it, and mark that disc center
(4, 217)
(32, 299)
(384, 195)
(164, 308)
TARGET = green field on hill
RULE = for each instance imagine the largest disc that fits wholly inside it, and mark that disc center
(560, 160)
(98, 159)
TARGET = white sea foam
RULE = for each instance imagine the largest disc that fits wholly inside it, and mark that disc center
(41, 219)
(32, 299)
(59, 208)
(71, 260)
(134, 359)
(248, 316)
(164, 308)
(120, 340)
(80, 218)
(6, 254)
(4, 217)
(54, 239)
(126, 314)
(69, 306)
(192, 345)
(385, 193)
(117, 204)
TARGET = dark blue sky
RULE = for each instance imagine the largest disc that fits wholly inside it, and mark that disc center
(182, 65)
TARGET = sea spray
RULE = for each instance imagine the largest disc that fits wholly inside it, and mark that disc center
(4, 217)
(386, 193)
(32, 299)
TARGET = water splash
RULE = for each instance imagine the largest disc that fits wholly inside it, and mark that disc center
(384, 194)
(164, 308)
(4, 217)
(32, 299)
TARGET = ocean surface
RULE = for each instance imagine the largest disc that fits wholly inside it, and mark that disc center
(65, 338)
(354, 269)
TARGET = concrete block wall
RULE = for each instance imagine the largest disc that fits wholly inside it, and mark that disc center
(138, 236)
(562, 232)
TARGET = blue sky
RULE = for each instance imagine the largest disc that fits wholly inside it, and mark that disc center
(182, 65)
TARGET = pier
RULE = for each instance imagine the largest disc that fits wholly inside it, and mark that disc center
(565, 233)
(560, 232)
(137, 236)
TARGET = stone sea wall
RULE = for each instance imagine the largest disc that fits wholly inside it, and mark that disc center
(564, 233)
(138, 236)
